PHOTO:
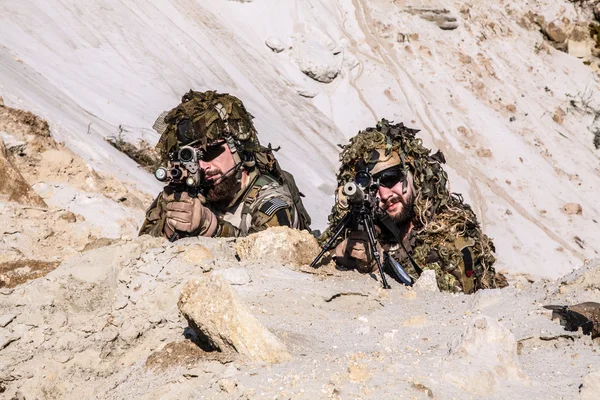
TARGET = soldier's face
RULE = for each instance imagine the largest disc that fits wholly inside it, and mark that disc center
(396, 201)
(217, 166)
(218, 161)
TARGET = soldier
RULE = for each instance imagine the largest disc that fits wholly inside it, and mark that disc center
(243, 188)
(432, 228)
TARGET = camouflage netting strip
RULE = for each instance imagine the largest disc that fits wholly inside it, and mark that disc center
(440, 215)
(213, 116)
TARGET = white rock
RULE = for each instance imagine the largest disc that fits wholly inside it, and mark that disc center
(486, 353)
(306, 93)
(235, 276)
(427, 282)
(275, 44)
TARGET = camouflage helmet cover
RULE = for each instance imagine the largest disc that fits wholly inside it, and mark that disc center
(373, 148)
(204, 117)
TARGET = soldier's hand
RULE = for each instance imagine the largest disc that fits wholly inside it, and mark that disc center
(355, 252)
(187, 214)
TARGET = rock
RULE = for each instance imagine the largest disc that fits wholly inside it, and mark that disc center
(579, 49)
(306, 93)
(591, 386)
(235, 276)
(314, 53)
(321, 72)
(12, 144)
(68, 216)
(572, 209)
(13, 186)
(448, 25)
(1, 102)
(7, 338)
(224, 322)
(485, 153)
(427, 282)
(6, 319)
(282, 244)
(441, 17)
(583, 281)
(130, 333)
(275, 44)
(197, 254)
(227, 385)
(559, 116)
(556, 31)
(486, 353)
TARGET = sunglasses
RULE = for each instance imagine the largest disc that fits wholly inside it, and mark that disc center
(212, 151)
(390, 177)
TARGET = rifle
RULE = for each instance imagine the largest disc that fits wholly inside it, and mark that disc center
(183, 170)
(183, 174)
(364, 211)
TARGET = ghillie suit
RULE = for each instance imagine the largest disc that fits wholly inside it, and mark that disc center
(272, 198)
(446, 235)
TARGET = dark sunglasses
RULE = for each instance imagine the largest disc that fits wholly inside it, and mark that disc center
(390, 177)
(212, 151)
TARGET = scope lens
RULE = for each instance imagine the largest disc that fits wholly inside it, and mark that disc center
(186, 154)
(363, 179)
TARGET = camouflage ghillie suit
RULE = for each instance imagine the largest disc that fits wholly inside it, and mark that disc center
(446, 236)
(270, 198)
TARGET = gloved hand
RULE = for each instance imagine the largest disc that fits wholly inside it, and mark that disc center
(354, 252)
(188, 214)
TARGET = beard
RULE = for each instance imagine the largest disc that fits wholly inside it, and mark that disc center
(406, 214)
(224, 190)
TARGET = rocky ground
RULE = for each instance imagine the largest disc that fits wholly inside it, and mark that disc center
(52, 204)
(106, 324)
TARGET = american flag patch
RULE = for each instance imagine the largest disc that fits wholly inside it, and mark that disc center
(272, 206)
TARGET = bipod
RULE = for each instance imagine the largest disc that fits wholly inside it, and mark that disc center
(367, 223)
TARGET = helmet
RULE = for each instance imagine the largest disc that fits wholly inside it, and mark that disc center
(204, 117)
(387, 145)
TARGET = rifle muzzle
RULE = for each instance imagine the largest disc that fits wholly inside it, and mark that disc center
(354, 193)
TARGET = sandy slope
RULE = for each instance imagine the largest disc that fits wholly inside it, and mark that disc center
(121, 63)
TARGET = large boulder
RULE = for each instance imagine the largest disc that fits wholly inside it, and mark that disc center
(223, 322)
(279, 245)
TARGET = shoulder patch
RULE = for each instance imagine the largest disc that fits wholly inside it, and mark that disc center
(273, 205)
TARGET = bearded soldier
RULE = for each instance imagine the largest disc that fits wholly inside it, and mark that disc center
(428, 228)
(235, 186)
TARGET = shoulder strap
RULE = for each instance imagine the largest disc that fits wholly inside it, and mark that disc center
(251, 196)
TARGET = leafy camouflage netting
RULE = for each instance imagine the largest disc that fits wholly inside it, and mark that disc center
(440, 216)
(211, 116)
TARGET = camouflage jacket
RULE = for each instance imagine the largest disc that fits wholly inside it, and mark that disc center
(456, 264)
(450, 277)
(263, 204)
